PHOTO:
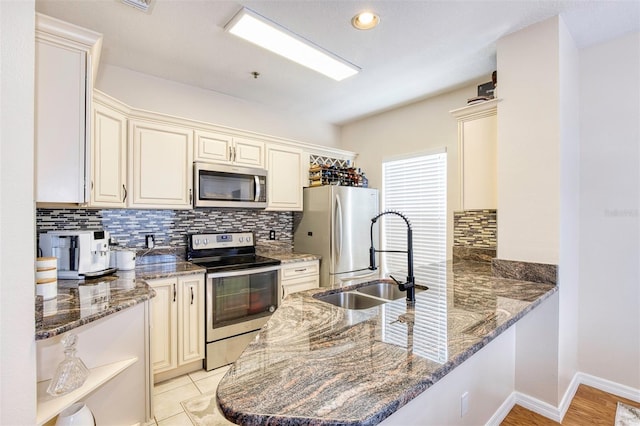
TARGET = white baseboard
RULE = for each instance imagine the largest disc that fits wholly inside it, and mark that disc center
(502, 411)
(557, 413)
(614, 388)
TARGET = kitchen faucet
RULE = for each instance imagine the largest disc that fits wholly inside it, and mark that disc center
(409, 285)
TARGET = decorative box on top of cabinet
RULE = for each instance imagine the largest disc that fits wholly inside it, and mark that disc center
(299, 276)
(66, 63)
(216, 147)
(477, 155)
(177, 335)
(161, 163)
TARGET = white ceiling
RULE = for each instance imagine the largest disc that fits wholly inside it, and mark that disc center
(419, 49)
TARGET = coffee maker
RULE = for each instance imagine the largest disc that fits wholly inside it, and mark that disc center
(80, 254)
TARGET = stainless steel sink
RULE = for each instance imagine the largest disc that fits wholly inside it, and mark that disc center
(349, 300)
(385, 290)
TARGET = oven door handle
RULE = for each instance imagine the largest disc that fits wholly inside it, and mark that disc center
(245, 271)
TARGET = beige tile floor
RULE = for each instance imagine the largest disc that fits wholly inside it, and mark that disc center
(168, 395)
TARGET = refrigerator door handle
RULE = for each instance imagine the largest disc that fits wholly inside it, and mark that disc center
(338, 230)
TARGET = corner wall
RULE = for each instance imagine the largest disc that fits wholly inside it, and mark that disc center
(417, 128)
(17, 211)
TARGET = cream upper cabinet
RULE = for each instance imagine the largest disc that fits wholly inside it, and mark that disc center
(227, 149)
(161, 162)
(64, 62)
(477, 155)
(109, 158)
(287, 169)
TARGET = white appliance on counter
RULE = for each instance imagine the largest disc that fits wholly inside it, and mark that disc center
(80, 254)
(336, 224)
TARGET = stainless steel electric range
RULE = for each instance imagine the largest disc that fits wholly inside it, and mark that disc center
(241, 292)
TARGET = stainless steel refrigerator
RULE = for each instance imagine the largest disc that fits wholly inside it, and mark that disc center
(336, 224)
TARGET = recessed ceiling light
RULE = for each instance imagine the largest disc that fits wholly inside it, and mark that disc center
(365, 20)
(265, 33)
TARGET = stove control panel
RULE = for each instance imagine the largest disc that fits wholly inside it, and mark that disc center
(214, 241)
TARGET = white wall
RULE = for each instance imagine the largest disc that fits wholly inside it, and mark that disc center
(609, 319)
(169, 97)
(568, 272)
(528, 144)
(415, 128)
(17, 214)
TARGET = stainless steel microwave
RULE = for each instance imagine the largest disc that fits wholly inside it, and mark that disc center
(222, 185)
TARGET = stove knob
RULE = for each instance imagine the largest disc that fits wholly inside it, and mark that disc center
(196, 242)
(205, 241)
(241, 239)
(248, 239)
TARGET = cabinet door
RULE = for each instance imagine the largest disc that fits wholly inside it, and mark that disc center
(300, 284)
(191, 315)
(479, 184)
(160, 164)
(109, 158)
(248, 152)
(213, 147)
(60, 119)
(284, 180)
(164, 324)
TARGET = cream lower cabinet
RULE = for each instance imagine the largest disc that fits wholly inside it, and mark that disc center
(286, 167)
(161, 162)
(177, 321)
(299, 276)
(108, 158)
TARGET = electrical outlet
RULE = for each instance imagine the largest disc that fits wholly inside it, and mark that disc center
(150, 240)
(464, 404)
(272, 234)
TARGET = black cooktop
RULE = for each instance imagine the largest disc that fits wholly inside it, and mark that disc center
(230, 263)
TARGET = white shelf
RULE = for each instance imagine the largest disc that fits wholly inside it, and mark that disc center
(50, 406)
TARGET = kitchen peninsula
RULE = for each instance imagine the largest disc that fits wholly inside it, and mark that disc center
(110, 316)
(316, 363)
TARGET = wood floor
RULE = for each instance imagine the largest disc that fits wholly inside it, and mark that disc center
(589, 406)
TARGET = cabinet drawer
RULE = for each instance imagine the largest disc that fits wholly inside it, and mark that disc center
(301, 284)
(300, 269)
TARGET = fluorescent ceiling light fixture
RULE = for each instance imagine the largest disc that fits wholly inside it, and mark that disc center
(267, 34)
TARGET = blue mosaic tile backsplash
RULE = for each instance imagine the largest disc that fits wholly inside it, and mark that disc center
(170, 227)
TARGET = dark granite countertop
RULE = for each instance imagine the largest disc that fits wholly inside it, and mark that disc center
(317, 364)
(80, 302)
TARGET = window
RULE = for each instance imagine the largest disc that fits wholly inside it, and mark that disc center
(417, 188)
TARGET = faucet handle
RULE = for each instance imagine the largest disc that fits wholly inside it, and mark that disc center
(403, 286)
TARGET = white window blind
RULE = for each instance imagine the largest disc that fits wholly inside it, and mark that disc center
(417, 188)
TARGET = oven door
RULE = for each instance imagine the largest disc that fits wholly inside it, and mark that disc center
(240, 301)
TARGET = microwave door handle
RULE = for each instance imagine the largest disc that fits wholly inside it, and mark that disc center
(258, 189)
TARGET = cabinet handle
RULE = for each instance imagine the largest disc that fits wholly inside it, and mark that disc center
(124, 198)
(301, 270)
(235, 153)
(191, 288)
(190, 195)
(230, 153)
(174, 292)
(92, 185)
